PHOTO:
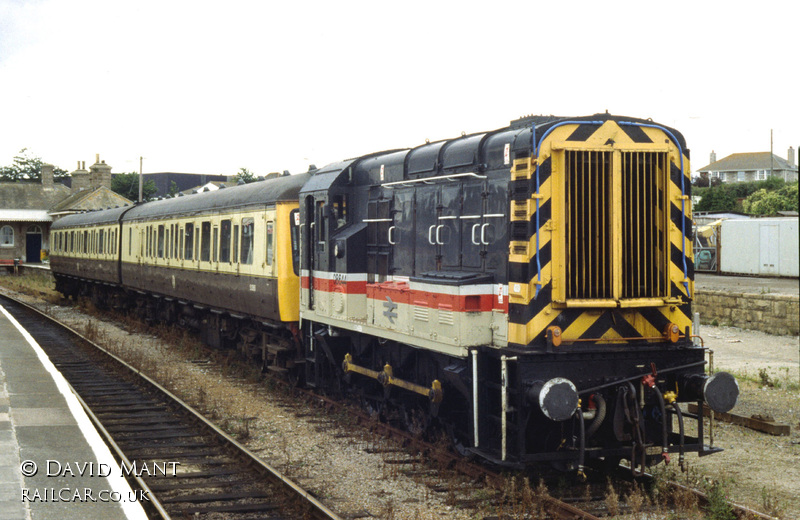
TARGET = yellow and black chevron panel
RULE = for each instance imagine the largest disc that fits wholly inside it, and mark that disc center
(600, 233)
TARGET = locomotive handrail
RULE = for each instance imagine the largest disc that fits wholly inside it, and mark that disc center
(637, 377)
(429, 180)
(474, 241)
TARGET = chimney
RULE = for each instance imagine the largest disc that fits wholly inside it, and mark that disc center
(80, 178)
(47, 177)
(99, 174)
(790, 156)
(713, 157)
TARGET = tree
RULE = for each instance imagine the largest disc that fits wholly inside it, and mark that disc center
(127, 185)
(245, 176)
(764, 202)
(27, 167)
(727, 196)
(716, 199)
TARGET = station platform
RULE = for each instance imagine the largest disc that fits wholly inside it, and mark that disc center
(53, 463)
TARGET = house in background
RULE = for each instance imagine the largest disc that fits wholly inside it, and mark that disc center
(755, 166)
(28, 208)
(183, 181)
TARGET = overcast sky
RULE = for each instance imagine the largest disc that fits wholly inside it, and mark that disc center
(211, 87)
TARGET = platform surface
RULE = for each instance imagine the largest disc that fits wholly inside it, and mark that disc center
(47, 441)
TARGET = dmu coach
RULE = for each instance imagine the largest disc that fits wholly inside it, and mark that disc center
(528, 290)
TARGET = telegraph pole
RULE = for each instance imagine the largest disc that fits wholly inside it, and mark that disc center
(140, 179)
(771, 156)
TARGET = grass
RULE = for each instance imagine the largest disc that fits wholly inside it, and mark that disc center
(32, 283)
(767, 378)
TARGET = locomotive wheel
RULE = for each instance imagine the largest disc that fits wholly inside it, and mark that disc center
(415, 421)
(293, 376)
(376, 409)
(458, 444)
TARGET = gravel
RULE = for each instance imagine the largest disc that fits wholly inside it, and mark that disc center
(352, 476)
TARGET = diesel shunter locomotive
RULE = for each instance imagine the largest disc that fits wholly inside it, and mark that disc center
(528, 290)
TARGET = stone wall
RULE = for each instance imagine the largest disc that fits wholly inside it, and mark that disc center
(772, 313)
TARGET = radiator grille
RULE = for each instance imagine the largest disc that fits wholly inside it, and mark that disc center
(643, 225)
(589, 225)
(593, 269)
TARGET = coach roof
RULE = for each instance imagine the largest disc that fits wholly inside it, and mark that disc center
(260, 193)
(90, 218)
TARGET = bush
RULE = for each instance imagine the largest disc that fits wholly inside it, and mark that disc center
(760, 197)
(765, 202)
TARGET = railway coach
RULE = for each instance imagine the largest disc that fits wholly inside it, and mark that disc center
(527, 289)
(224, 263)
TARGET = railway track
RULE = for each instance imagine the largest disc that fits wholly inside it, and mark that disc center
(206, 472)
(181, 464)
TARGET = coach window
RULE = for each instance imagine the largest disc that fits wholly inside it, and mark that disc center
(85, 242)
(7, 236)
(161, 241)
(214, 243)
(225, 241)
(269, 243)
(167, 242)
(235, 251)
(247, 241)
(205, 241)
(101, 241)
(175, 241)
(295, 234)
(188, 242)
